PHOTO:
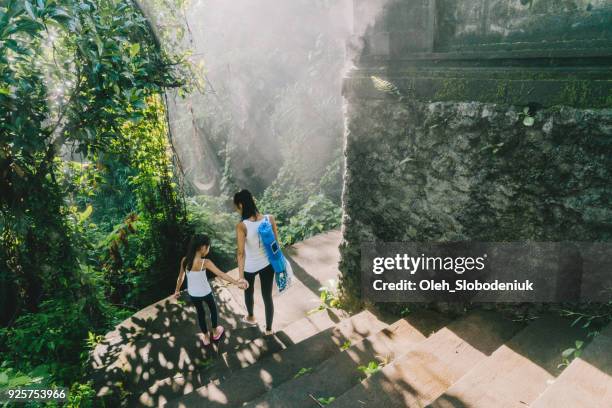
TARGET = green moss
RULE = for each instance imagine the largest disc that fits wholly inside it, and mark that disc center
(534, 88)
(452, 89)
(575, 93)
(502, 90)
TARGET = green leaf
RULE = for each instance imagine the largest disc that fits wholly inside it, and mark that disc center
(579, 344)
(28, 7)
(303, 370)
(99, 45)
(528, 121)
(326, 401)
(205, 363)
(19, 380)
(134, 49)
(568, 352)
(85, 214)
(59, 12)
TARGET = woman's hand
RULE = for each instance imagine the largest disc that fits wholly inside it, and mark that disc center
(243, 284)
(177, 294)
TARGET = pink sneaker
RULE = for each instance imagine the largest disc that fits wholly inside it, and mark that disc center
(218, 336)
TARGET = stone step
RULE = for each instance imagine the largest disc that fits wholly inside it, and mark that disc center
(135, 327)
(422, 374)
(249, 383)
(157, 343)
(241, 356)
(587, 381)
(518, 371)
(154, 320)
(164, 346)
(340, 372)
(315, 260)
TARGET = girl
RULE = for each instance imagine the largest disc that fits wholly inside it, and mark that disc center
(194, 264)
(252, 259)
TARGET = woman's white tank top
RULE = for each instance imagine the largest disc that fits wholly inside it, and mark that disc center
(254, 254)
(197, 283)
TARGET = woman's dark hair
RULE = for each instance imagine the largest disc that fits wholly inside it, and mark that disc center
(197, 241)
(245, 198)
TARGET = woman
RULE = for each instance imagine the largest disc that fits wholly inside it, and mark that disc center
(252, 259)
(195, 264)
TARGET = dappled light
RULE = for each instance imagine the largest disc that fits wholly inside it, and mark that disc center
(191, 191)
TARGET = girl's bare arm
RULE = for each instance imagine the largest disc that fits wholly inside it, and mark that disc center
(213, 268)
(273, 222)
(240, 238)
(181, 277)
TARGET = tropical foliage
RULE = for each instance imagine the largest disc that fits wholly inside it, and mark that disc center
(91, 217)
(303, 210)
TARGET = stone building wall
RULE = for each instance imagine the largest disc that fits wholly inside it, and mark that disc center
(483, 131)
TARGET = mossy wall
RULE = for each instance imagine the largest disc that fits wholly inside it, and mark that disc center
(495, 124)
(449, 171)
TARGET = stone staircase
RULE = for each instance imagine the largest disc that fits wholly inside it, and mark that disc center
(480, 359)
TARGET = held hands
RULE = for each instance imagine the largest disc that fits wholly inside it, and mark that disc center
(242, 284)
(177, 294)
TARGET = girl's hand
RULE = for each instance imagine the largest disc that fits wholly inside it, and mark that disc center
(177, 294)
(243, 284)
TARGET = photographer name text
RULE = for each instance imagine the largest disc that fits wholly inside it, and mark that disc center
(452, 287)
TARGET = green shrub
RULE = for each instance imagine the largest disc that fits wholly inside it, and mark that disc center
(331, 181)
(319, 214)
(283, 202)
(54, 337)
(57, 283)
(211, 216)
(81, 395)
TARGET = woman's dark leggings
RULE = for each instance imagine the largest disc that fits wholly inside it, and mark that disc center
(212, 306)
(266, 277)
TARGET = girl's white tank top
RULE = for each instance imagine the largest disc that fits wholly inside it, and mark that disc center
(197, 283)
(254, 254)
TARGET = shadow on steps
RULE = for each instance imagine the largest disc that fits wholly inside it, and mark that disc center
(156, 354)
(342, 370)
(231, 359)
(247, 384)
(161, 341)
(422, 374)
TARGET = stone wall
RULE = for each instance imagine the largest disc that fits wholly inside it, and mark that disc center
(457, 143)
(491, 24)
